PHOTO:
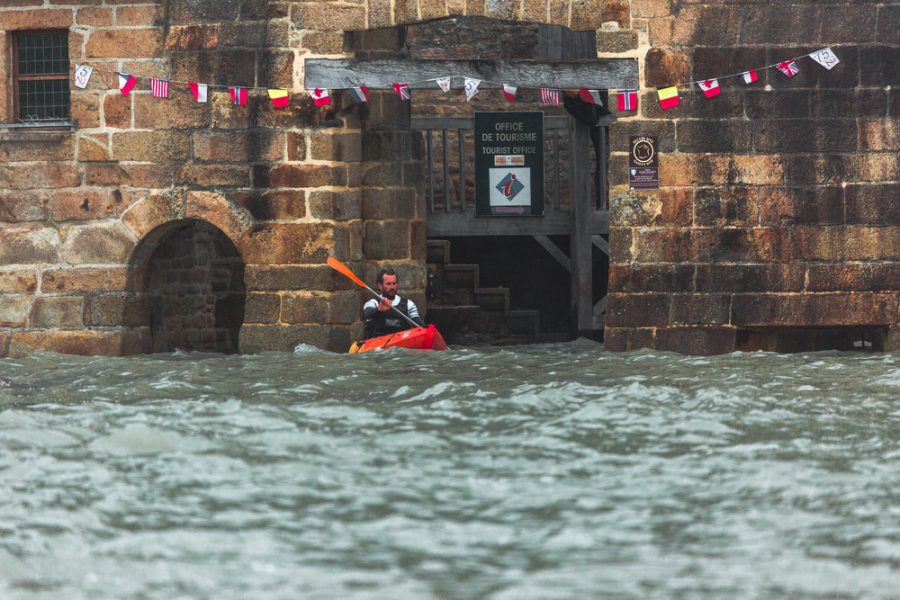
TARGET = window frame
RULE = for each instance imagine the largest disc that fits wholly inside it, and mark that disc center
(15, 115)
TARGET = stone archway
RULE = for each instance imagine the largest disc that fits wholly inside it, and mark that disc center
(192, 288)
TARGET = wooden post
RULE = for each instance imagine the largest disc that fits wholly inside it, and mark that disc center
(580, 236)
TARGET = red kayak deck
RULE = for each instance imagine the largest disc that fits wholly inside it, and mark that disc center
(423, 338)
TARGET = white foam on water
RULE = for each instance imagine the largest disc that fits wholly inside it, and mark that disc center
(142, 439)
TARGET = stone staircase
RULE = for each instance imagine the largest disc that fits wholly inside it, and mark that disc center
(468, 314)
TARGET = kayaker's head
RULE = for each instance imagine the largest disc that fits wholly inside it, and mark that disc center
(387, 283)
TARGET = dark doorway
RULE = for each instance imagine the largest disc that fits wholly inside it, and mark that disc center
(194, 290)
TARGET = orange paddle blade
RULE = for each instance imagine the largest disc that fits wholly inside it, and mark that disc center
(345, 271)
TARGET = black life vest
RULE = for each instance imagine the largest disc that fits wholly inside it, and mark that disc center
(384, 323)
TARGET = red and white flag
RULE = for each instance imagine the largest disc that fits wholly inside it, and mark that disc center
(750, 76)
(550, 97)
(710, 87)
(280, 98)
(591, 96)
(402, 90)
(359, 94)
(509, 92)
(126, 83)
(627, 100)
(444, 84)
(199, 90)
(159, 88)
(238, 95)
(320, 96)
(788, 67)
(471, 86)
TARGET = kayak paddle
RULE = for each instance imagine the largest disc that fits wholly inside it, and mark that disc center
(346, 272)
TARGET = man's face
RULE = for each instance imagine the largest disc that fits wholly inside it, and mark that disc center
(389, 286)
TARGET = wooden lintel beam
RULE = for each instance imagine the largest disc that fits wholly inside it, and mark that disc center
(600, 243)
(614, 73)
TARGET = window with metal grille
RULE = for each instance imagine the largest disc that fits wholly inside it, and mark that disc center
(41, 76)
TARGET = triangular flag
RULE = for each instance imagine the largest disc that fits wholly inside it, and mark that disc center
(509, 92)
(591, 96)
(788, 67)
(238, 95)
(359, 94)
(126, 83)
(710, 87)
(471, 88)
(627, 100)
(199, 90)
(402, 90)
(825, 57)
(159, 88)
(82, 75)
(444, 84)
(550, 97)
(750, 76)
(668, 97)
(280, 98)
(320, 96)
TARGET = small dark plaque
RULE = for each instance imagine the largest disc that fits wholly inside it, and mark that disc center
(509, 164)
(643, 163)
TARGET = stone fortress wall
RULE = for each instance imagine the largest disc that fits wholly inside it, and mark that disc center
(778, 208)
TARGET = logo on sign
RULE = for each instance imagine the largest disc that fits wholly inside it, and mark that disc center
(510, 186)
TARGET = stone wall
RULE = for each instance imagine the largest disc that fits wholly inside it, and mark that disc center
(779, 212)
(778, 207)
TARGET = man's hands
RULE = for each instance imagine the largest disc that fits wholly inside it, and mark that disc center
(384, 305)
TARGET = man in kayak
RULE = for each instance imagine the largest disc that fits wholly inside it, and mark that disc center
(380, 319)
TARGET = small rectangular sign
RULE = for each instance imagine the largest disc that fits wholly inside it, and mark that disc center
(643, 163)
(509, 163)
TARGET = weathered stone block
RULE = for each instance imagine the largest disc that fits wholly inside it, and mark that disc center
(94, 17)
(620, 244)
(36, 19)
(663, 66)
(86, 203)
(336, 18)
(651, 278)
(38, 175)
(284, 338)
(106, 343)
(850, 277)
(805, 135)
(281, 277)
(151, 145)
(263, 308)
(699, 309)
(108, 310)
(386, 240)
(845, 243)
(696, 340)
(22, 206)
(873, 204)
(388, 203)
(275, 204)
(738, 278)
(713, 135)
(213, 175)
(814, 310)
(132, 16)
(260, 145)
(787, 206)
(14, 309)
(299, 176)
(29, 245)
(661, 245)
(177, 111)
(289, 243)
(18, 282)
(750, 245)
(149, 213)
(725, 207)
(96, 243)
(57, 312)
(615, 42)
(193, 37)
(637, 310)
(124, 43)
(62, 281)
(336, 206)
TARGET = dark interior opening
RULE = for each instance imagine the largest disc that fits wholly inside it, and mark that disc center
(813, 339)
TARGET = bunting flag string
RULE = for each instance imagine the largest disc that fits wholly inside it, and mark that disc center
(549, 95)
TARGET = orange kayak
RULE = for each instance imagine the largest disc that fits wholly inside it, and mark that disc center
(423, 338)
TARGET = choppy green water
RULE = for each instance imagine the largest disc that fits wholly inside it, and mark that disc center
(543, 472)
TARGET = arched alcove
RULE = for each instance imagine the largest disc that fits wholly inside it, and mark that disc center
(191, 284)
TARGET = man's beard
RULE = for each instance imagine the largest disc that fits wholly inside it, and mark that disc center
(389, 295)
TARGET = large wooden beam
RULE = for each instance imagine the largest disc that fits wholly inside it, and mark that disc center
(580, 238)
(617, 73)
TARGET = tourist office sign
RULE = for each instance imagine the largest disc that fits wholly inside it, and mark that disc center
(643, 163)
(509, 164)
